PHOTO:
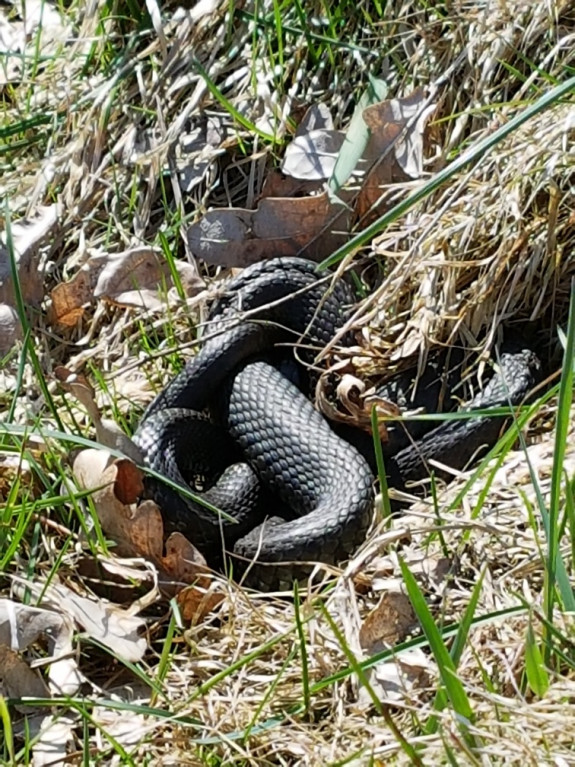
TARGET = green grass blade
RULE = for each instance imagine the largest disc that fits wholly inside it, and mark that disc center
(381, 475)
(447, 668)
(535, 671)
(457, 648)
(356, 136)
(561, 431)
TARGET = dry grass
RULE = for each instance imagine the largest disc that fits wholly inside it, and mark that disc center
(268, 682)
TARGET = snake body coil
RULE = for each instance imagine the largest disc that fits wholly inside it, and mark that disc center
(292, 491)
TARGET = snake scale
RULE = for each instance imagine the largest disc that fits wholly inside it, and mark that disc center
(291, 490)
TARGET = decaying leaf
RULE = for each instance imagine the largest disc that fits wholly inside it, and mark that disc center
(131, 278)
(27, 236)
(312, 156)
(197, 150)
(138, 529)
(134, 278)
(277, 184)
(317, 117)
(395, 149)
(126, 727)
(353, 402)
(22, 625)
(70, 299)
(18, 679)
(394, 680)
(278, 227)
(112, 626)
(108, 433)
(388, 623)
(55, 739)
(391, 153)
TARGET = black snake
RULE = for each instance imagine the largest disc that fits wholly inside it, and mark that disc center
(292, 490)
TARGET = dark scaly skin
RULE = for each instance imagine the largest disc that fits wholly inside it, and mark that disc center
(326, 482)
(323, 479)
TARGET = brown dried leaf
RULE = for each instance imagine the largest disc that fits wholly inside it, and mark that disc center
(353, 404)
(18, 679)
(22, 625)
(27, 236)
(278, 227)
(197, 601)
(395, 149)
(131, 278)
(114, 627)
(117, 484)
(388, 623)
(69, 300)
(10, 328)
(184, 563)
(138, 530)
(279, 185)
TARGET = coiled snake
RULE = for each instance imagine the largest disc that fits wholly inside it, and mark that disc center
(295, 491)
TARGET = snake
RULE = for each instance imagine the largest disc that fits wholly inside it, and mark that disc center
(275, 485)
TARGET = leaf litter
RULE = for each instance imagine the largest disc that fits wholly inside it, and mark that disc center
(492, 245)
(315, 225)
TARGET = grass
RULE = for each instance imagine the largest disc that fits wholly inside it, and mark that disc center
(97, 123)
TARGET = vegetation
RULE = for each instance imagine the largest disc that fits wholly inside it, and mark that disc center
(449, 636)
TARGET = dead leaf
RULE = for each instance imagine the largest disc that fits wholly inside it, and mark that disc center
(138, 530)
(278, 227)
(126, 727)
(184, 564)
(278, 184)
(54, 741)
(199, 600)
(112, 626)
(108, 433)
(352, 403)
(312, 156)
(395, 680)
(27, 236)
(10, 328)
(22, 625)
(388, 623)
(395, 148)
(315, 225)
(317, 117)
(122, 581)
(131, 278)
(138, 277)
(197, 151)
(70, 299)
(18, 679)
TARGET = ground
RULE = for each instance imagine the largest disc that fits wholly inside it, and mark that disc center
(145, 153)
